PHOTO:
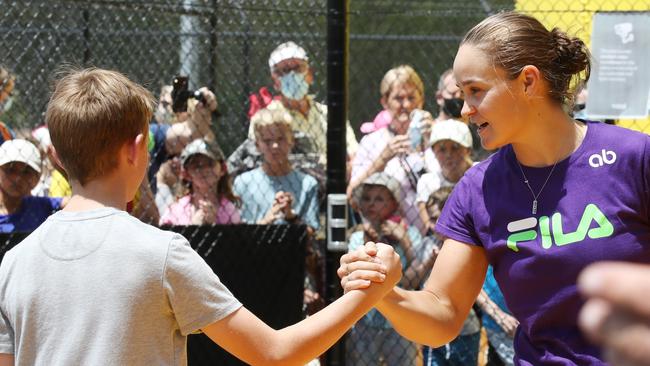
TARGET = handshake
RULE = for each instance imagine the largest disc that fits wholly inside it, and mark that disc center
(373, 262)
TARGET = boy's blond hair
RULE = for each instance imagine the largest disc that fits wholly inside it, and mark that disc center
(91, 115)
(274, 114)
(401, 75)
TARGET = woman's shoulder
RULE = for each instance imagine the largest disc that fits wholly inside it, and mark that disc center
(249, 176)
(616, 134)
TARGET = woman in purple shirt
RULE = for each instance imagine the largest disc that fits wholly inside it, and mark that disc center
(558, 195)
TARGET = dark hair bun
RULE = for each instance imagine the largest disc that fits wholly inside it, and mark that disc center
(571, 53)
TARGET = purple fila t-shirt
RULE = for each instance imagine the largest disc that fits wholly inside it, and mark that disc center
(595, 206)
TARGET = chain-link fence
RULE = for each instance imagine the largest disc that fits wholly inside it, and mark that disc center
(253, 149)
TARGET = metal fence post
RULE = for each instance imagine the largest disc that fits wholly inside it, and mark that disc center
(337, 100)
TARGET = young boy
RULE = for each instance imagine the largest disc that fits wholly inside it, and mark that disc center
(276, 193)
(95, 286)
(373, 341)
(20, 170)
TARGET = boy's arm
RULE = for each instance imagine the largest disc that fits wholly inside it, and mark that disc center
(6, 359)
(250, 339)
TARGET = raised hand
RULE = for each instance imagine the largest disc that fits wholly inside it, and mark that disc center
(617, 312)
(205, 214)
(399, 144)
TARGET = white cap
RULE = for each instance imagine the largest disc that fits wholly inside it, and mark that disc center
(379, 179)
(200, 146)
(453, 130)
(21, 151)
(286, 51)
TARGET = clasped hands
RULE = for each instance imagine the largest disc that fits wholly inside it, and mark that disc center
(376, 263)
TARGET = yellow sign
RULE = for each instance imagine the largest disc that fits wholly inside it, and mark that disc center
(574, 17)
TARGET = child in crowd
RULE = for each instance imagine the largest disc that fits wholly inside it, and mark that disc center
(276, 193)
(20, 171)
(451, 143)
(464, 349)
(130, 291)
(210, 199)
(372, 340)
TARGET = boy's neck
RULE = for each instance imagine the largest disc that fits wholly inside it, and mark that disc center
(9, 204)
(97, 193)
(278, 168)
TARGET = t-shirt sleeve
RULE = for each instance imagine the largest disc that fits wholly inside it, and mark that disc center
(196, 295)
(456, 220)
(6, 335)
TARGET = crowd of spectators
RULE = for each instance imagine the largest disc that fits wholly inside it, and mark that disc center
(400, 174)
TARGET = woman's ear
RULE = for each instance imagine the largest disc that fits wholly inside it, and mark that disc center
(531, 78)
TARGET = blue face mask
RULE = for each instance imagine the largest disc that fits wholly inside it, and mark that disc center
(293, 85)
(581, 114)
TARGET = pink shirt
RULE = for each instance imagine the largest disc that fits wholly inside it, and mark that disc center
(180, 212)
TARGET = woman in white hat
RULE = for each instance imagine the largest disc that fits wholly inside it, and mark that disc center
(20, 170)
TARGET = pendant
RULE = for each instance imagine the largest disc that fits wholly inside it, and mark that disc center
(534, 207)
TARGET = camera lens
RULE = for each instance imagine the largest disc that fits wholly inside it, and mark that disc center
(199, 96)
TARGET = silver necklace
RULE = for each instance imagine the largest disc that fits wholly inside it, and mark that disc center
(530, 188)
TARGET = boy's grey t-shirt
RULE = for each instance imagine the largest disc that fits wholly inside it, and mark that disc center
(102, 288)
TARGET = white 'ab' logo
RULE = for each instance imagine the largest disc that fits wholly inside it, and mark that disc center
(605, 157)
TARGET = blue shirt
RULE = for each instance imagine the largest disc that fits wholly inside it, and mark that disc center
(257, 191)
(493, 291)
(158, 154)
(32, 213)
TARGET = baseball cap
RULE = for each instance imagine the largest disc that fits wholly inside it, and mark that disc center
(380, 179)
(21, 151)
(453, 130)
(200, 146)
(287, 51)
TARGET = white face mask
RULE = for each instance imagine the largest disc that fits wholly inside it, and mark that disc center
(293, 85)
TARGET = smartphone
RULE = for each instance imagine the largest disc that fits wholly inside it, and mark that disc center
(415, 129)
